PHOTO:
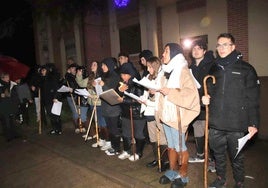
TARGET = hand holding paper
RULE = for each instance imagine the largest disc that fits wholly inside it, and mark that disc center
(82, 92)
(64, 89)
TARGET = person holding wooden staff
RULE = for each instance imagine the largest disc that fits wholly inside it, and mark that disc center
(149, 108)
(131, 110)
(178, 105)
(234, 108)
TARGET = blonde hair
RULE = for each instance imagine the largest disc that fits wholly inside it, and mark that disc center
(155, 62)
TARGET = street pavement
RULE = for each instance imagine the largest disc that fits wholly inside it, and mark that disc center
(67, 161)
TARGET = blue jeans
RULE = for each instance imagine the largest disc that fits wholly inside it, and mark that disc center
(72, 108)
(173, 139)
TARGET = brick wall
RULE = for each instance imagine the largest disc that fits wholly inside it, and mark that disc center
(237, 16)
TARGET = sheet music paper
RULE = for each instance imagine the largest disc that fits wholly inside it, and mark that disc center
(98, 87)
(64, 89)
(56, 108)
(133, 96)
(145, 82)
(241, 143)
(82, 92)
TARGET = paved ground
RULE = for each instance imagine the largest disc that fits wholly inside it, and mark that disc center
(67, 161)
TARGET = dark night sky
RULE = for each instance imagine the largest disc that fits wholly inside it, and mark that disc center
(20, 43)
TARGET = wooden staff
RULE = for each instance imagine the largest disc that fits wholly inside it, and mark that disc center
(158, 149)
(79, 113)
(132, 133)
(39, 111)
(90, 122)
(96, 120)
(206, 128)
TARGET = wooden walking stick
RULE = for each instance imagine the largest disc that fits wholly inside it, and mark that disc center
(39, 111)
(90, 122)
(79, 113)
(206, 128)
(96, 120)
(158, 149)
(132, 133)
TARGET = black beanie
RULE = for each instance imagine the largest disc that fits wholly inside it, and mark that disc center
(127, 68)
(175, 49)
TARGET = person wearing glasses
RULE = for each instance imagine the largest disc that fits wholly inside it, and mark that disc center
(234, 108)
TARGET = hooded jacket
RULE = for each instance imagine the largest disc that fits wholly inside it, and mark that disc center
(234, 103)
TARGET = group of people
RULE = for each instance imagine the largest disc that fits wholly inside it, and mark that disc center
(162, 114)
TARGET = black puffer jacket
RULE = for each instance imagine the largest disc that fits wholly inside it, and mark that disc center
(234, 103)
(199, 73)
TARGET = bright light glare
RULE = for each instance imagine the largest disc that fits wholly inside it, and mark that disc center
(187, 43)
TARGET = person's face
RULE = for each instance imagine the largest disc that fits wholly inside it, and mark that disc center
(125, 77)
(150, 68)
(104, 67)
(224, 47)
(6, 78)
(166, 55)
(198, 53)
(43, 72)
(122, 59)
(143, 61)
(94, 66)
(73, 70)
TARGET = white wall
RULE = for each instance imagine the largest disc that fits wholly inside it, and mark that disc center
(170, 25)
(258, 38)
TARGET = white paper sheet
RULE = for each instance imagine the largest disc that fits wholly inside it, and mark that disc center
(145, 82)
(82, 92)
(241, 143)
(133, 96)
(56, 108)
(64, 89)
(98, 87)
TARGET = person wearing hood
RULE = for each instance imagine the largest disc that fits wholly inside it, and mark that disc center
(111, 113)
(144, 56)
(234, 108)
(202, 61)
(131, 109)
(178, 105)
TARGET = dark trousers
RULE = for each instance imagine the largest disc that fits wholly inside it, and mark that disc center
(222, 142)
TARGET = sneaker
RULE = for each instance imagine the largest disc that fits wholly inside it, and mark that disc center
(83, 130)
(100, 143)
(58, 132)
(77, 130)
(106, 146)
(111, 152)
(124, 155)
(134, 157)
(218, 183)
(211, 166)
(88, 138)
(52, 132)
(196, 159)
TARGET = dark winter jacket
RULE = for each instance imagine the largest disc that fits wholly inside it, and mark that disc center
(111, 80)
(129, 102)
(234, 103)
(199, 73)
(70, 82)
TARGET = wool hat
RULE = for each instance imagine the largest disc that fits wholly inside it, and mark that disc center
(73, 65)
(146, 54)
(175, 49)
(127, 68)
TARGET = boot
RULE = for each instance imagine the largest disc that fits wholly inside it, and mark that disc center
(164, 158)
(183, 180)
(154, 162)
(200, 143)
(173, 165)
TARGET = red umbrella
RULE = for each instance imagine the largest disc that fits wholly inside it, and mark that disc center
(12, 66)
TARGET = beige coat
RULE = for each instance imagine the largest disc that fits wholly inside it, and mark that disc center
(186, 100)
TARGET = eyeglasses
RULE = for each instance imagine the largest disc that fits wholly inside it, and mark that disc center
(224, 45)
